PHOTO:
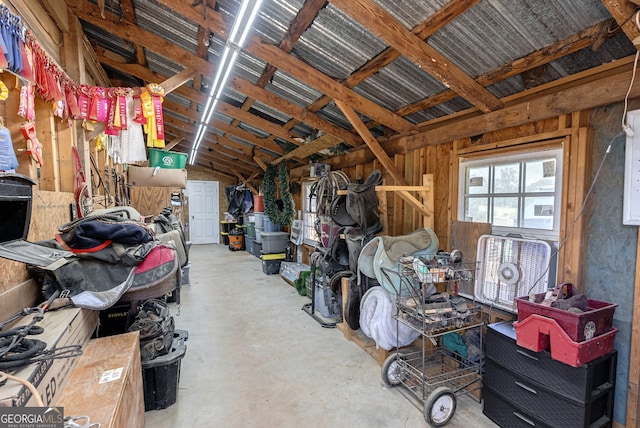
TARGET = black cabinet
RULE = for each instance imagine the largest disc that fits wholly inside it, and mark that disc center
(524, 388)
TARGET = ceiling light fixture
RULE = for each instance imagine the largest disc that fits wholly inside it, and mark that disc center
(237, 36)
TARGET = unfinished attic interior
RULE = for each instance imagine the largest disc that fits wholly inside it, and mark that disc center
(322, 213)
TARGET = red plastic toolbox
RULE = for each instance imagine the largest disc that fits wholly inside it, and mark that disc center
(579, 326)
(537, 333)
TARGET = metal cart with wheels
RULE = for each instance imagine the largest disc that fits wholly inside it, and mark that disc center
(430, 373)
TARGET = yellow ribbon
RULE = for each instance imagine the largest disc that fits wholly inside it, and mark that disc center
(4, 91)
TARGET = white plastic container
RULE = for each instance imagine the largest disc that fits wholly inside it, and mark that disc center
(259, 220)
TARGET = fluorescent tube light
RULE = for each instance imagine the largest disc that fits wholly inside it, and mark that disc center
(246, 15)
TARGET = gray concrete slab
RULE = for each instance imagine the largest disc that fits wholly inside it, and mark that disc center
(255, 359)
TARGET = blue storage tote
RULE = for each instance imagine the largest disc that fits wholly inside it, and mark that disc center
(270, 226)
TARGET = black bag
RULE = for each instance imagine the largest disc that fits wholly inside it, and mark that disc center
(156, 327)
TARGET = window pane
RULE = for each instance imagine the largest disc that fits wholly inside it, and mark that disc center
(505, 212)
(540, 176)
(478, 210)
(538, 212)
(478, 181)
(309, 216)
(507, 178)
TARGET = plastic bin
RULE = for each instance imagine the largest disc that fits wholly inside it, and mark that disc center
(225, 238)
(271, 267)
(185, 273)
(248, 244)
(270, 226)
(167, 159)
(256, 249)
(579, 326)
(539, 333)
(259, 219)
(259, 231)
(251, 230)
(274, 242)
(161, 375)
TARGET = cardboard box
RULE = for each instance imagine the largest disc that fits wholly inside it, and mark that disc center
(142, 176)
(64, 327)
(106, 384)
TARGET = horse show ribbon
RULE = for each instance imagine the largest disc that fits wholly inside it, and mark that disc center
(156, 92)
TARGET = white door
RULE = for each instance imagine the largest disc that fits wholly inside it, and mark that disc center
(204, 212)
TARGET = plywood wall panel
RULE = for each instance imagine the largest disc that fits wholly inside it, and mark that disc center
(150, 201)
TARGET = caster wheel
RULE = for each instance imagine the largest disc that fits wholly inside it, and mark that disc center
(392, 371)
(440, 407)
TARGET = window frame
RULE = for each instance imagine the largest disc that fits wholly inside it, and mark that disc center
(491, 160)
(309, 215)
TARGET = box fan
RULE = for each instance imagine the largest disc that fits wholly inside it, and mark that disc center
(510, 267)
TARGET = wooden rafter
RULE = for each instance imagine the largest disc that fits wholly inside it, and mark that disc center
(375, 147)
(623, 11)
(389, 29)
(298, 69)
(439, 19)
(179, 79)
(540, 57)
(321, 143)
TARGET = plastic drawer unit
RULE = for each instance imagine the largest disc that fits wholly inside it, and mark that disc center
(523, 388)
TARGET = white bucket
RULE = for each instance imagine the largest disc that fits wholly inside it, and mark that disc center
(259, 220)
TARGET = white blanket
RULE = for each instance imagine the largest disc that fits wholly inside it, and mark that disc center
(377, 322)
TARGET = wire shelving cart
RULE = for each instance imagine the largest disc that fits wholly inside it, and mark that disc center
(431, 376)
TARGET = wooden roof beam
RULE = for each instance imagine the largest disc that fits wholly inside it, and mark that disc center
(298, 69)
(542, 56)
(298, 26)
(177, 80)
(390, 30)
(375, 147)
(439, 19)
(623, 11)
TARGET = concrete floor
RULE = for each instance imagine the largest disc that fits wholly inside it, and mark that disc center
(255, 359)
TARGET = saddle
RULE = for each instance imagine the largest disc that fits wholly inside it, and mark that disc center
(384, 252)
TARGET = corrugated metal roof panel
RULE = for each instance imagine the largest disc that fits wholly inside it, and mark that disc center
(399, 84)
(272, 22)
(109, 41)
(176, 98)
(164, 22)
(256, 131)
(292, 90)
(161, 64)
(411, 12)
(496, 32)
(177, 116)
(271, 112)
(336, 45)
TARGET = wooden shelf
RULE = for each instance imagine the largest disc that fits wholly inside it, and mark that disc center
(357, 336)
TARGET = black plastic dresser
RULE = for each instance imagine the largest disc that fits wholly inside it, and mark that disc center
(529, 389)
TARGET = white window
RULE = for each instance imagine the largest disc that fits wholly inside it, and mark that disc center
(515, 193)
(309, 216)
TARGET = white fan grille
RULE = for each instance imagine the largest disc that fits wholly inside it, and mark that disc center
(510, 268)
